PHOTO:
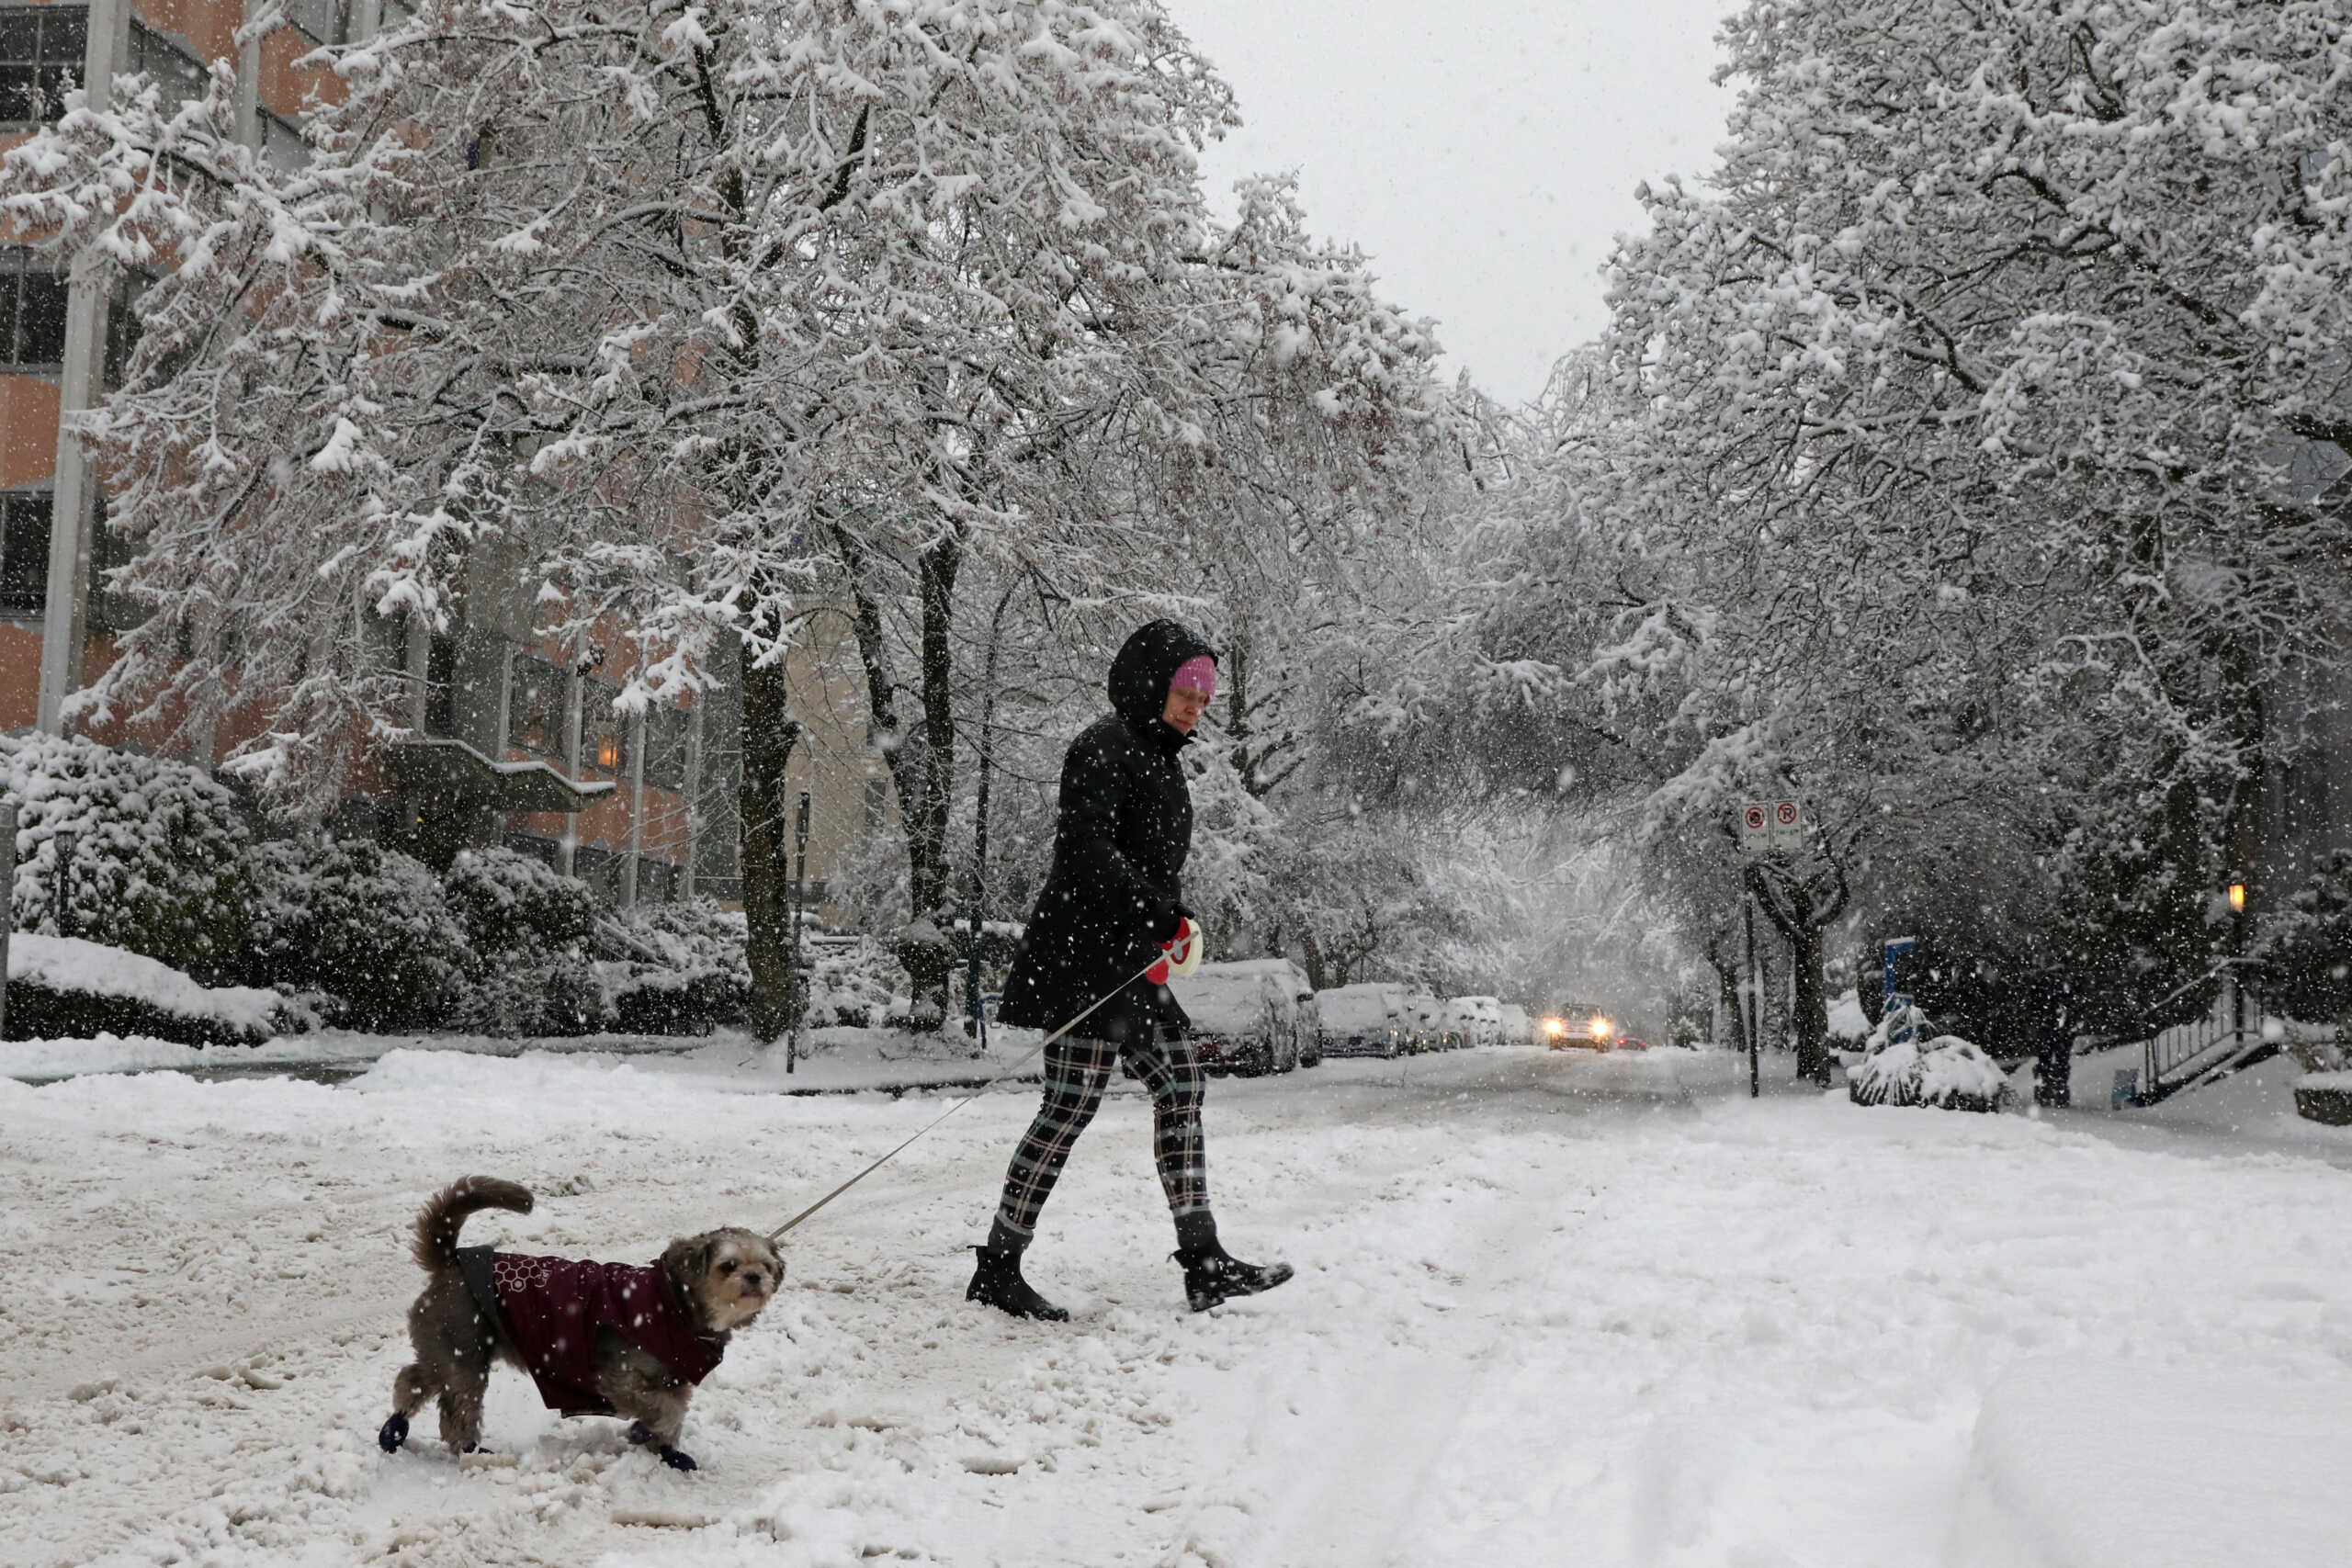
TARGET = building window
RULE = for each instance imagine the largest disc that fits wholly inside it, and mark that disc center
(604, 734)
(32, 309)
(181, 76)
(440, 684)
(535, 712)
(665, 747)
(877, 803)
(543, 850)
(41, 56)
(24, 551)
(123, 328)
(282, 143)
(328, 21)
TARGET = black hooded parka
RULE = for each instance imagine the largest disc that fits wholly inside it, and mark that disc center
(1119, 848)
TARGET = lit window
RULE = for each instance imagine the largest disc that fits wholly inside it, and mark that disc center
(604, 741)
(41, 56)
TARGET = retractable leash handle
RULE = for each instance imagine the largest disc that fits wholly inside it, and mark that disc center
(1031, 1054)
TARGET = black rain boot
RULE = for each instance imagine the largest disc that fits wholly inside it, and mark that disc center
(997, 1282)
(1210, 1274)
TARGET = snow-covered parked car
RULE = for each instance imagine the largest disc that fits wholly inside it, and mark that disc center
(1378, 1018)
(1253, 1016)
(1518, 1025)
(1478, 1020)
(1942, 1070)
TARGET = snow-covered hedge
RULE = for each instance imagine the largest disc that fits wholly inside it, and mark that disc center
(366, 926)
(528, 931)
(1944, 1071)
(160, 856)
(672, 968)
(62, 988)
(857, 984)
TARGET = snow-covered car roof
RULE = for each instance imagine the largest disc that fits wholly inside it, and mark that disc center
(1226, 999)
(1368, 1004)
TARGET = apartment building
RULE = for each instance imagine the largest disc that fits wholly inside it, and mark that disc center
(515, 740)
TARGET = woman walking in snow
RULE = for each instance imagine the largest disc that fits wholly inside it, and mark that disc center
(1110, 899)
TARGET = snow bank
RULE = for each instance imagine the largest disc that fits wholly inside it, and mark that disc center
(2123, 1465)
(70, 967)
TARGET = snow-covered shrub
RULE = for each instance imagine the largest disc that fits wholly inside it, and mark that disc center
(365, 925)
(672, 968)
(158, 851)
(62, 988)
(856, 984)
(528, 931)
(1945, 1071)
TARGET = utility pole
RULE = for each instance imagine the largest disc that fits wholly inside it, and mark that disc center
(976, 1024)
(7, 904)
(1755, 989)
(796, 1006)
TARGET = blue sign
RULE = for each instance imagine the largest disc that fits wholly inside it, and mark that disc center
(1895, 947)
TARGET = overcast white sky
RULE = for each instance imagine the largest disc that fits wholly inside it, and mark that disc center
(1482, 151)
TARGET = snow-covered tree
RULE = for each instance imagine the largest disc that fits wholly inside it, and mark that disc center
(1934, 468)
(675, 316)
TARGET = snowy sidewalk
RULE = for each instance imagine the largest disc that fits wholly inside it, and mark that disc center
(844, 1061)
(1551, 1309)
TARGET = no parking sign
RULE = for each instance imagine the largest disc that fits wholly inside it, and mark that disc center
(1769, 825)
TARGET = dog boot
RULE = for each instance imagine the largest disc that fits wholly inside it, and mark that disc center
(676, 1459)
(393, 1433)
(997, 1282)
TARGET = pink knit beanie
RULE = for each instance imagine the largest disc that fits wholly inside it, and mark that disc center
(1197, 673)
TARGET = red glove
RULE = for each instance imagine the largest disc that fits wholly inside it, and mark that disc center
(1179, 955)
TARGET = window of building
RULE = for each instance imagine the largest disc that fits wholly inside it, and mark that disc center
(543, 850)
(282, 143)
(32, 310)
(41, 56)
(665, 747)
(534, 706)
(123, 331)
(877, 803)
(181, 75)
(440, 684)
(112, 550)
(24, 551)
(604, 734)
(328, 21)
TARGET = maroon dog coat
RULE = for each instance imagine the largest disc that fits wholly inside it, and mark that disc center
(551, 1307)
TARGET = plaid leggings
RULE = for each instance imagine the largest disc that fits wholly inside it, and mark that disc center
(1077, 1070)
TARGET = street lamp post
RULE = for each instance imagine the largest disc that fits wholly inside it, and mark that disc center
(797, 1007)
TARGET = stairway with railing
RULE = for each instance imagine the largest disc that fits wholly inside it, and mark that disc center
(2227, 1038)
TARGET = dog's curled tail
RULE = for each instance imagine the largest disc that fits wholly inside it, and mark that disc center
(436, 1246)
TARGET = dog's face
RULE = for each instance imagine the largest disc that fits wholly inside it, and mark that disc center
(727, 1274)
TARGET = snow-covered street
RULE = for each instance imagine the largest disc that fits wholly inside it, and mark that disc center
(1550, 1308)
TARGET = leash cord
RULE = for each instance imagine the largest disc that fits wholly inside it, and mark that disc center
(1034, 1051)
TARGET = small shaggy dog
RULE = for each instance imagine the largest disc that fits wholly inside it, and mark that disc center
(598, 1339)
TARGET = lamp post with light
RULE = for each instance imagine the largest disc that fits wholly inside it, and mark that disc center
(2237, 953)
